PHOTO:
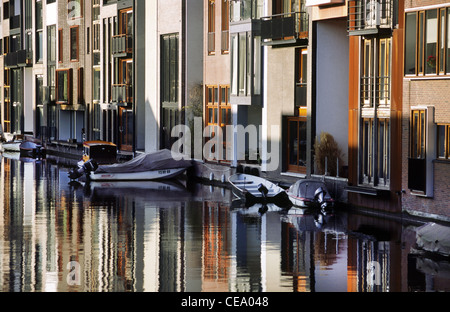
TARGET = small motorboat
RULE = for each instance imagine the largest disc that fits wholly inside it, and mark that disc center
(31, 149)
(11, 146)
(255, 190)
(147, 166)
(309, 193)
(101, 151)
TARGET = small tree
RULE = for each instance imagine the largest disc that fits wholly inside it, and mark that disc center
(327, 148)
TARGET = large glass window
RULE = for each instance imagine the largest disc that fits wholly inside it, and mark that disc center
(63, 86)
(410, 43)
(443, 141)
(431, 42)
(74, 43)
(418, 134)
(169, 68)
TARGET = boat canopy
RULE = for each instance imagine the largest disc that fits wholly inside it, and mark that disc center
(159, 160)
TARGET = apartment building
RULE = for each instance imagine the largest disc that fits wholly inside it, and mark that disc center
(426, 109)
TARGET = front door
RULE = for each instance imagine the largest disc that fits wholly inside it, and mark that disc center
(296, 145)
(126, 129)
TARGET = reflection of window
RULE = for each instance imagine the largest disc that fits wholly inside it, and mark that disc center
(63, 85)
(443, 139)
(418, 134)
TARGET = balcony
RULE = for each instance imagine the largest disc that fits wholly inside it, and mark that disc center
(121, 93)
(417, 174)
(122, 45)
(21, 58)
(285, 29)
(367, 17)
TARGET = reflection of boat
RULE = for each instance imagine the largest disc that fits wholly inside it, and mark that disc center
(31, 149)
(257, 209)
(254, 190)
(153, 190)
(310, 193)
(150, 166)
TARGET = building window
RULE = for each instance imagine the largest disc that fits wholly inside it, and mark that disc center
(63, 86)
(169, 68)
(410, 43)
(443, 141)
(225, 26)
(211, 26)
(375, 80)
(245, 64)
(418, 135)
(427, 42)
(60, 45)
(301, 60)
(74, 32)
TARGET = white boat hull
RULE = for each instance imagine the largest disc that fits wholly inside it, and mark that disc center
(136, 176)
(11, 146)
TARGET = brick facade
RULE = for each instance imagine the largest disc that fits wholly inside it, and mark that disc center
(426, 91)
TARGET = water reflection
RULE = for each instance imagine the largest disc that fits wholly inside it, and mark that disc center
(165, 237)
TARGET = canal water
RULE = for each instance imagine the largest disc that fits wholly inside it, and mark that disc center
(63, 236)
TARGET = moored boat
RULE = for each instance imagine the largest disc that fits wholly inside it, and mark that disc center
(11, 146)
(255, 190)
(310, 193)
(149, 166)
(31, 149)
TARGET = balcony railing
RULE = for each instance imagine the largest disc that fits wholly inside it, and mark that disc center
(122, 45)
(375, 90)
(225, 41)
(211, 42)
(417, 174)
(121, 93)
(21, 58)
(300, 94)
(286, 28)
(370, 16)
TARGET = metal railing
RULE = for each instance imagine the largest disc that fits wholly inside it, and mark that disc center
(121, 44)
(121, 93)
(19, 58)
(370, 14)
(294, 25)
(211, 42)
(375, 90)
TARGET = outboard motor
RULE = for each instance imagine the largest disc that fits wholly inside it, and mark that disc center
(319, 196)
(90, 166)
